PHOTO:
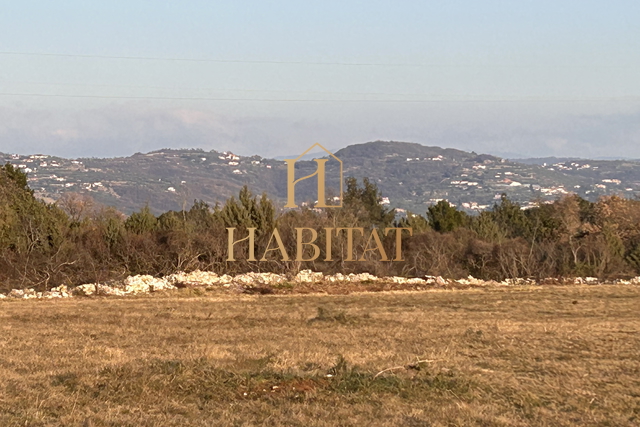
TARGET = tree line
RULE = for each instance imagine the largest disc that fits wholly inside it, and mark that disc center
(75, 240)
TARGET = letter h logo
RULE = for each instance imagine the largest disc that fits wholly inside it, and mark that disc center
(320, 173)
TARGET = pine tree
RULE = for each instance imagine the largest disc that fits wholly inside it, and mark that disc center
(444, 218)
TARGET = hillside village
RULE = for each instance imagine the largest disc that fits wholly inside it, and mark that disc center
(410, 176)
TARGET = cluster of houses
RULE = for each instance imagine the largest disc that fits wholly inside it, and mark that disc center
(568, 166)
(49, 175)
(40, 169)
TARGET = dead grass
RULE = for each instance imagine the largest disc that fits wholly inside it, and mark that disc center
(541, 356)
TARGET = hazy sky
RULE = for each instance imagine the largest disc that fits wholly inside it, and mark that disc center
(531, 78)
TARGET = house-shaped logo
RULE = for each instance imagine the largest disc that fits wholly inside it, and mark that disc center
(321, 176)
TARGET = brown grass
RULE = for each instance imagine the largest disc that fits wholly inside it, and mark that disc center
(541, 356)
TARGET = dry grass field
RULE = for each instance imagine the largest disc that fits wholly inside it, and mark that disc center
(519, 356)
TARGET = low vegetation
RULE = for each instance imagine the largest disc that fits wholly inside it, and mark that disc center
(516, 356)
(75, 241)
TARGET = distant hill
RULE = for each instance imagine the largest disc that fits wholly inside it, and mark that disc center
(309, 156)
(546, 160)
(554, 160)
(411, 176)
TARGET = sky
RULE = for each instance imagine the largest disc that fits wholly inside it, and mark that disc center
(518, 79)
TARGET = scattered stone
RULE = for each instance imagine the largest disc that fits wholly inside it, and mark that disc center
(308, 276)
(336, 278)
(193, 279)
(472, 281)
(440, 281)
(408, 281)
(85, 290)
(253, 279)
(23, 293)
(142, 284)
(261, 282)
(362, 277)
(519, 282)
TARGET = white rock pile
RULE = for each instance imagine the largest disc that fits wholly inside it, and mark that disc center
(143, 284)
(58, 292)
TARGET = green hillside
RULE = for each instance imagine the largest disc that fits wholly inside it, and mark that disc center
(411, 176)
